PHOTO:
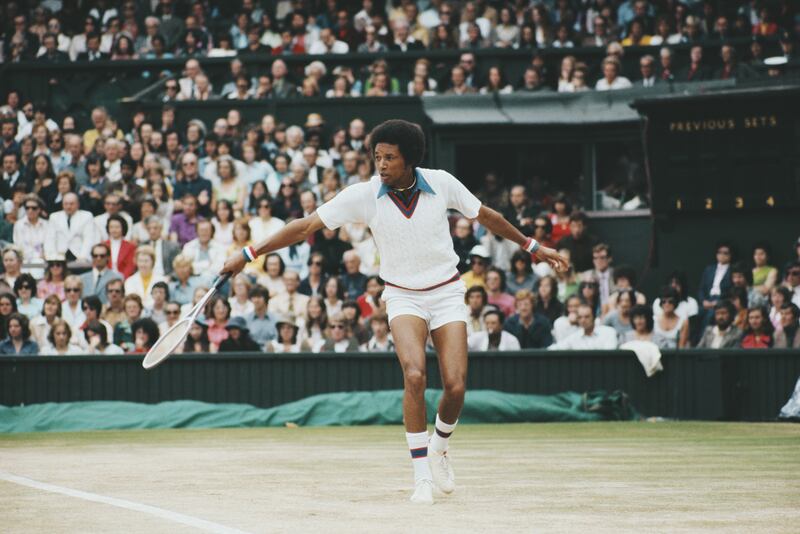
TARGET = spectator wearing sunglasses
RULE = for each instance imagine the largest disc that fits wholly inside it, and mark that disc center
(339, 337)
(479, 261)
(25, 289)
(314, 284)
(97, 279)
(30, 232)
(792, 282)
(114, 309)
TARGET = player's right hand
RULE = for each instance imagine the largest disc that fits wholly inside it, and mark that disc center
(234, 264)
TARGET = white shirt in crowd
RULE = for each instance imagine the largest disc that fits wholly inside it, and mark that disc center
(601, 338)
(562, 329)
(480, 341)
(261, 229)
(719, 274)
(620, 82)
(424, 256)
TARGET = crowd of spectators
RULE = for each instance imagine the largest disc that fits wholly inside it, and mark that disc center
(109, 236)
(60, 31)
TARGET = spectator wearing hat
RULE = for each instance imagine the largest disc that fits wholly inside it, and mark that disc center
(531, 329)
(18, 342)
(479, 260)
(286, 340)
(723, 334)
(494, 337)
(238, 337)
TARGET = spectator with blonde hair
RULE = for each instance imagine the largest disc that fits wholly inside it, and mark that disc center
(141, 282)
(612, 80)
(58, 340)
(71, 309)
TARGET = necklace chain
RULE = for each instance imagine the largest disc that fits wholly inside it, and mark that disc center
(407, 188)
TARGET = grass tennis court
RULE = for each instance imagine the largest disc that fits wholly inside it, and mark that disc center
(581, 477)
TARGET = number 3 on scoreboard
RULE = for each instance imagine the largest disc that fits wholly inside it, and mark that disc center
(709, 204)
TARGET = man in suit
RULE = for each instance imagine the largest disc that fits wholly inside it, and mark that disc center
(165, 250)
(723, 334)
(95, 281)
(93, 52)
(602, 272)
(51, 52)
(715, 281)
(648, 72)
(12, 175)
(71, 232)
(600, 36)
(696, 71)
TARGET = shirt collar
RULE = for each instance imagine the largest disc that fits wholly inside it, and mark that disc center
(421, 185)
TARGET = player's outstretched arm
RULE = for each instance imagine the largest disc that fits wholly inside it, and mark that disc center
(296, 231)
(498, 225)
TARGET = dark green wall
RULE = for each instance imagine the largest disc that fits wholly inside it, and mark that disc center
(711, 385)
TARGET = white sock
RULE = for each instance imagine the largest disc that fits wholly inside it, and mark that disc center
(418, 445)
(441, 435)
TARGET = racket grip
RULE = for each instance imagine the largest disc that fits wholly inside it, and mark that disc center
(221, 281)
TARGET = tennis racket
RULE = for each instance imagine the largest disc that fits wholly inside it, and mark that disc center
(172, 338)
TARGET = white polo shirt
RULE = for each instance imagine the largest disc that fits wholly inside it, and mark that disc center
(414, 243)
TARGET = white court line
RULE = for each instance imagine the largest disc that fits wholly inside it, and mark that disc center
(188, 520)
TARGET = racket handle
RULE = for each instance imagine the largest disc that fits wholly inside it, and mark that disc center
(221, 281)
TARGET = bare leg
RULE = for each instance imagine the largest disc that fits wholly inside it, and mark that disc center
(450, 341)
(410, 333)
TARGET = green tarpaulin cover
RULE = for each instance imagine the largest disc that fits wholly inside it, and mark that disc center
(349, 408)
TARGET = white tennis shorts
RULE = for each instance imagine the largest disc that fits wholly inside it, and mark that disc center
(436, 307)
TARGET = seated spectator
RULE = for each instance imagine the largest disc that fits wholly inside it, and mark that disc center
(12, 264)
(567, 280)
(765, 276)
(567, 324)
(53, 282)
(590, 337)
(788, 337)
(240, 296)
(206, 254)
(264, 225)
(95, 281)
(352, 316)
(495, 290)
(589, 292)
(165, 250)
(479, 260)
(611, 79)
(715, 280)
(353, 280)
(381, 340)
(458, 82)
(687, 305)
(542, 228)
(477, 300)
(313, 328)
(314, 283)
(71, 310)
(18, 342)
(496, 83)
(624, 278)
(30, 231)
(370, 301)
(142, 281)
(463, 241)
(218, 313)
(722, 335)
(183, 227)
(531, 329)
(521, 275)
(145, 334)
(287, 342)
(122, 251)
(620, 319)
(25, 289)
(579, 243)
(493, 337)
(547, 298)
(114, 309)
(673, 328)
(340, 338)
(97, 340)
(642, 321)
(172, 314)
(260, 322)
(160, 294)
(738, 297)
(92, 309)
(758, 333)
(238, 337)
(792, 281)
(42, 324)
(123, 332)
(742, 278)
(532, 82)
(183, 282)
(71, 232)
(58, 341)
(197, 340)
(289, 301)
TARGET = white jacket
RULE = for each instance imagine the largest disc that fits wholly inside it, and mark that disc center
(79, 237)
(480, 341)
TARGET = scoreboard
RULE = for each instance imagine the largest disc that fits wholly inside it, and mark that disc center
(731, 150)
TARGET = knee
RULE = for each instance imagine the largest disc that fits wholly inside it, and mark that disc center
(455, 387)
(415, 379)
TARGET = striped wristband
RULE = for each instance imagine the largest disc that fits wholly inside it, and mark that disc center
(531, 245)
(249, 253)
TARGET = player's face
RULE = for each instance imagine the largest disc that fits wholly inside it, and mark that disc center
(390, 164)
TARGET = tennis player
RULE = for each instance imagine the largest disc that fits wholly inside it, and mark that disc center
(406, 207)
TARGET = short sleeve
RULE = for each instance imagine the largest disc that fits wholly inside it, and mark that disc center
(349, 206)
(460, 198)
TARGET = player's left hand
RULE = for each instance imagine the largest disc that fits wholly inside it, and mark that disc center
(558, 262)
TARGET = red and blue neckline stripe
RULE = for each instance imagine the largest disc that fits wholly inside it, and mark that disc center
(407, 202)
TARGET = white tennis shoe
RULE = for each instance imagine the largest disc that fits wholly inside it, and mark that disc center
(423, 492)
(442, 471)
